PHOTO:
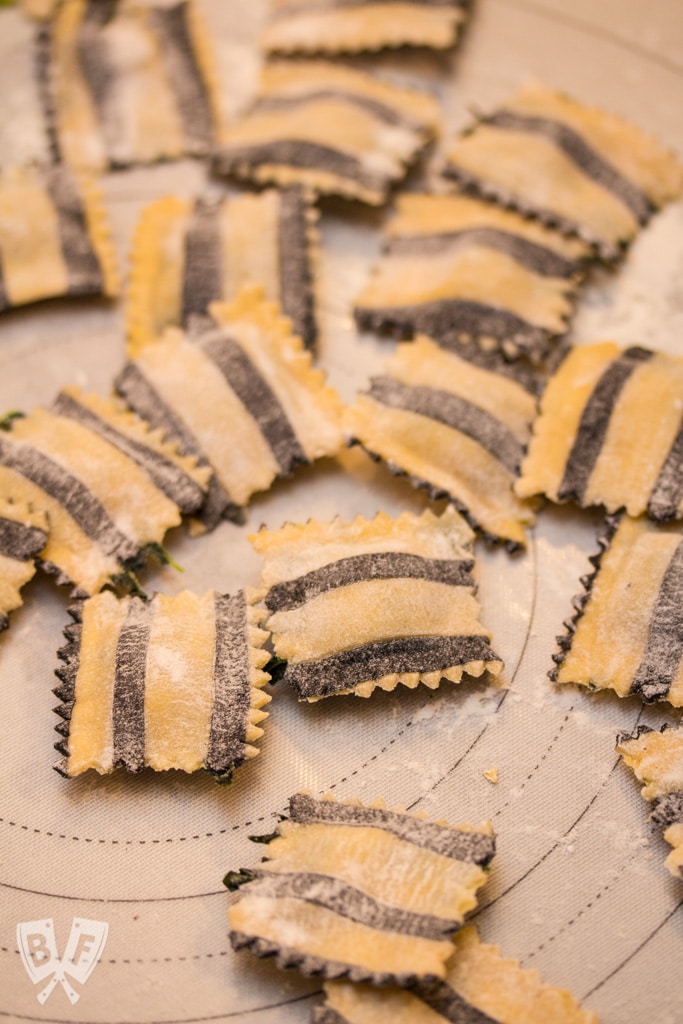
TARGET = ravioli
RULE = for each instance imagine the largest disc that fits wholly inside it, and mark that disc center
(454, 427)
(332, 128)
(171, 683)
(481, 987)
(55, 239)
(110, 487)
(360, 892)
(241, 395)
(188, 254)
(128, 83)
(656, 758)
(459, 269)
(627, 635)
(23, 535)
(574, 167)
(373, 603)
(610, 432)
(354, 26)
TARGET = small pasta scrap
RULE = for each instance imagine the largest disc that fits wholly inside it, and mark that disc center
(457, 428)
(23, 535)
(241, 395)
(459, 269)
(610, 432)
(574, 167)
(188, 254)
(627, 634)
(335, 129)
(373, 603)
(481, 987)
(128, 83)
(360, 891)
(110, 487)
(656, 759)
(54, 237)
(355, 26)
(175, 682)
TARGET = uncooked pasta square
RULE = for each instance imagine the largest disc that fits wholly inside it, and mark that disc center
(373, 603)
(580, 169)
(360, 891)
(170, 683)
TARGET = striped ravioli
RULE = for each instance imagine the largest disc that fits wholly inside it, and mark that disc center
(481, 987)
(353, 606)
(627, 635)
(610, 432)
(577, 168)
(360, 892)
(188, 254)
(241, 395)
(457, 268)
(54, 237)
(108, 484)
(354, 26)
(335, 129)
(128, 83)
(23, 535)
(656, 758)
(174, 682)
(454, 427)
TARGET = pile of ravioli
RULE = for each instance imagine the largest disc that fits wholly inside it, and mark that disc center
(483, 402)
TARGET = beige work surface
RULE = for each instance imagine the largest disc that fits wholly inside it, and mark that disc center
(578, 888)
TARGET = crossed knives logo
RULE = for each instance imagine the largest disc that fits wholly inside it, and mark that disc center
(38, 948)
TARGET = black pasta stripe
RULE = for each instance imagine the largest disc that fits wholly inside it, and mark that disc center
(458, 844)
(352, 904)
(232, 698)
(296, 276)
(450, 1005)
(84, 271)
(184, 75)
(445, 319)
(145, 400)
(302, 154)
(535, 257)
(128, 704)
(668, 809)
(382, 111)
(356, 665)
(19, 541)
(667, 493)
(593, 164)
(453, 411)
(664, 646)
(594, 423)
(80, 503)
(203, 259)
(98, 70)
(170, 478)
(380, 565)
(258, 398)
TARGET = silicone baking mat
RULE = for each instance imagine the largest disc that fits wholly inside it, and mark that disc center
(578, 889)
